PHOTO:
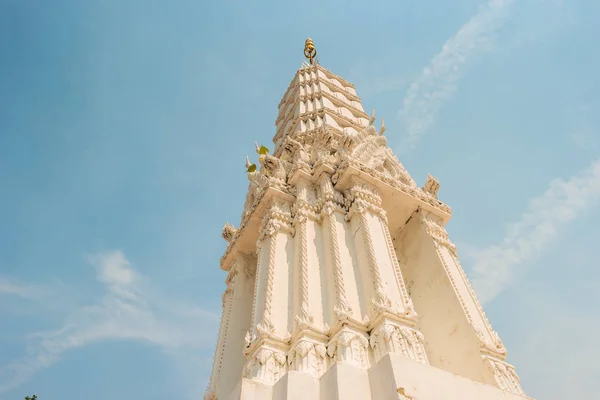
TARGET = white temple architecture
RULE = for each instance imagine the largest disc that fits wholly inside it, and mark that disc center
(342, 282)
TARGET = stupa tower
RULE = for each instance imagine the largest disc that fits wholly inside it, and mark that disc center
(342, 282)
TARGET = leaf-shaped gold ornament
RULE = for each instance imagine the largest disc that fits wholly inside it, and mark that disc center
(251, 168)
(263, 150)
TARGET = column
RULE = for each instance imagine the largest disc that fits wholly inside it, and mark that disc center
(332, 203)
(308, 353)
(267, 344)
(392, 318)
(223, 331)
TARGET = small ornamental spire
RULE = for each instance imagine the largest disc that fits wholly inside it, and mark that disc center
(309, 50)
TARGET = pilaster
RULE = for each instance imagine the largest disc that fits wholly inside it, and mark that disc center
(303, 210)
(227, 305)
(389, 294)
(272, 246)
(333, 202)
(266, 344)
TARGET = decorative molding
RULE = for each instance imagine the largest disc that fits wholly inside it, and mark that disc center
(308, 356)
(398, 339)
(505, 375)
(266, 324)
(284, 130)
(285, 115)
(409, 189)
(253, 317)
(434, 228)
(349, 346)
(292, 91)
(431, 186)
(228, 232)
(304, 317)
(265, 365)
(278, 217)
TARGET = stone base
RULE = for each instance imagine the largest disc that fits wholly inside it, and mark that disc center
(394, 377)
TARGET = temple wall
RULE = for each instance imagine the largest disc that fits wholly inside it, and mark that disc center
(422, 382)
(451, 343)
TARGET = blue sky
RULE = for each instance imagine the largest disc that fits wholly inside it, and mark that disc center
(123, 131)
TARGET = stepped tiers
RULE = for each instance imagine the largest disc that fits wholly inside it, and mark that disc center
(342, 282)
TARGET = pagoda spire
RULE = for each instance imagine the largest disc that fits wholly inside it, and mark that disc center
(342, 280)
(318, 99)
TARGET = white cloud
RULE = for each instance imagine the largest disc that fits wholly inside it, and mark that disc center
(129, 310)
(494, 267)
(12, 287)
(113, 268)
(437, 82)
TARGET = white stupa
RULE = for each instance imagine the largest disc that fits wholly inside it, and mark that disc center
(342, 282)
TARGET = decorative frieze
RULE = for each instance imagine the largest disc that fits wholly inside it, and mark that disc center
(434, 228)
(308, 356)
(265, 365)
(398, 339)
(349, 346)
(278, 217)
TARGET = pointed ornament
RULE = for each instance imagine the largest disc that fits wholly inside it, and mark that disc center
(249, 166)
(372, 120)
(382, 130)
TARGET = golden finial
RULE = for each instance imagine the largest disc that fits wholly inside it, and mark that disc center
(309, 50)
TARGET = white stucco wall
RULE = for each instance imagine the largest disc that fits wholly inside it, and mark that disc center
(451, 342)
(422, 382)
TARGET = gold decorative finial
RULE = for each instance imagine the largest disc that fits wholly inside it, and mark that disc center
(309, 50)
